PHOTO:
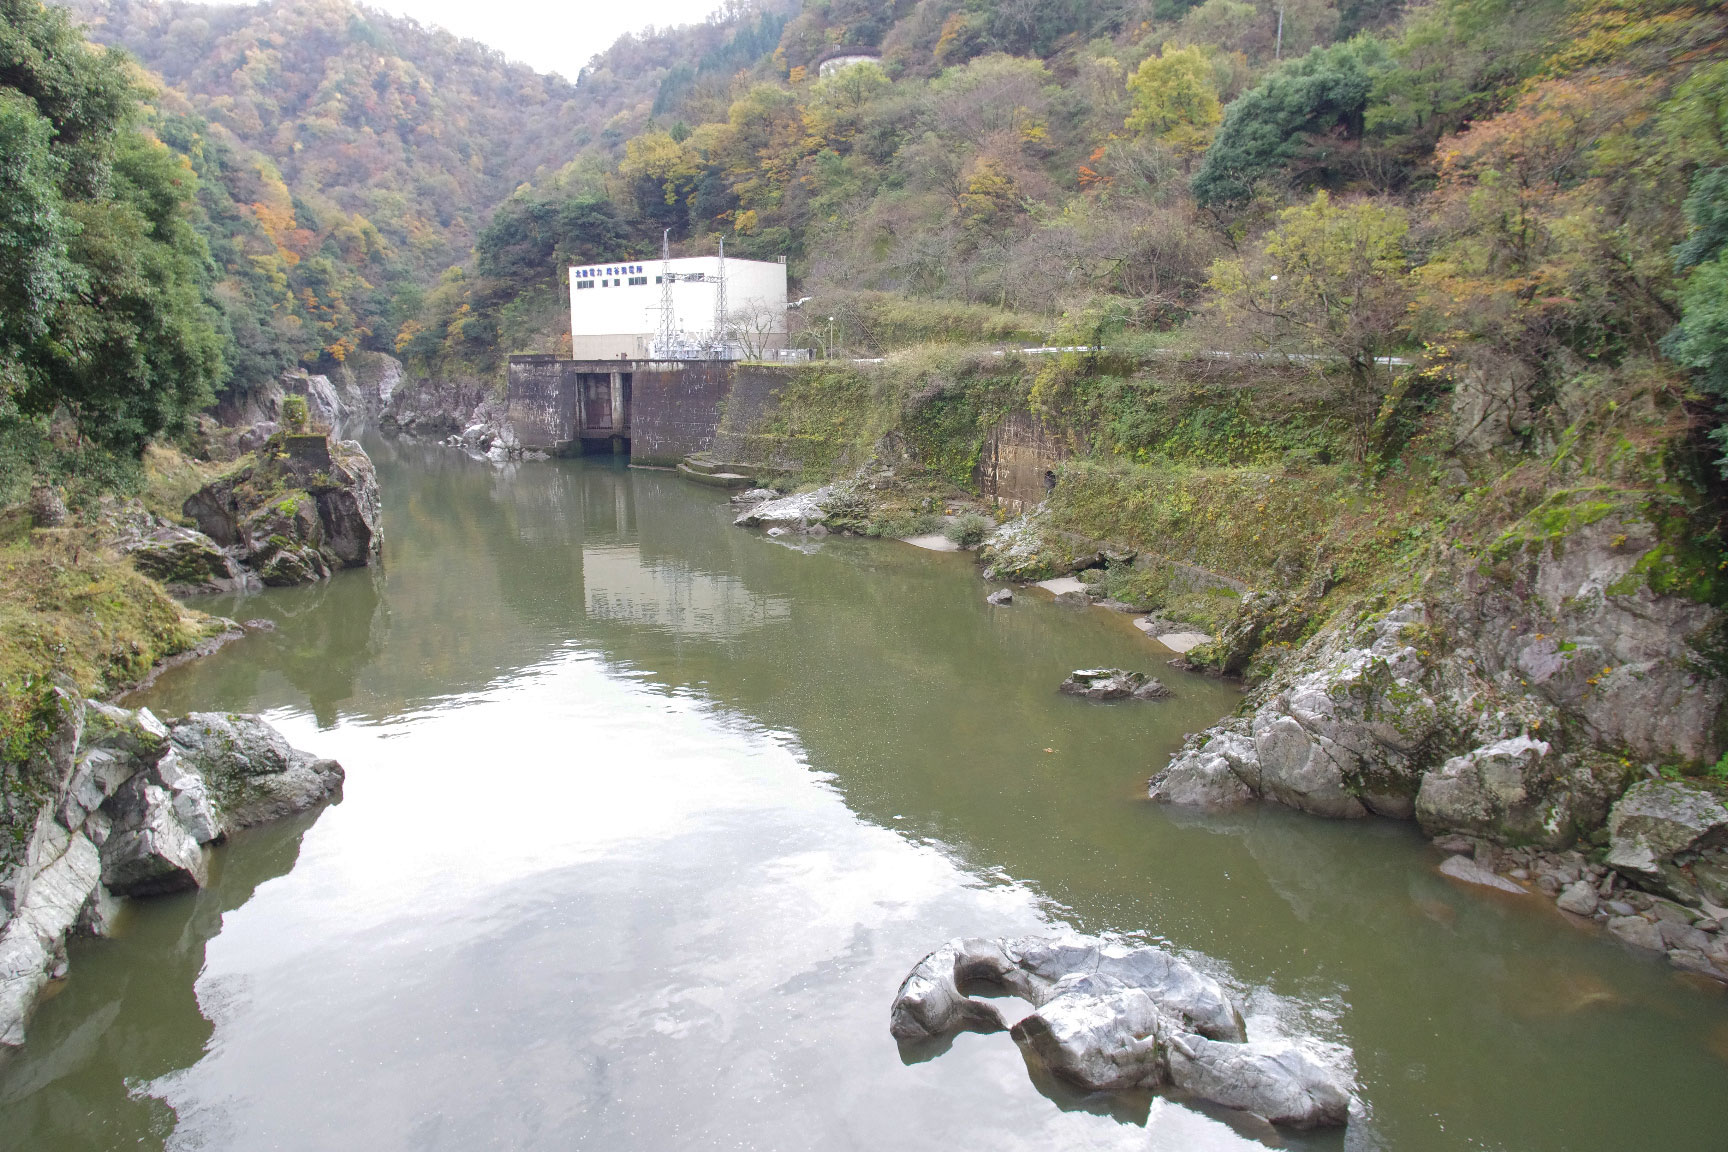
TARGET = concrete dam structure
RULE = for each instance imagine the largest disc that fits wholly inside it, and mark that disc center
(658, 412)
(655, 411)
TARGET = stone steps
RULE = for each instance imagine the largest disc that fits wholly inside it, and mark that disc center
(715, 479)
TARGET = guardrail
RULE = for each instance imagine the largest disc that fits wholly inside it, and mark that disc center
(1173, 354)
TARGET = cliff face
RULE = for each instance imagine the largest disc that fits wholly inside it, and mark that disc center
(434, 409)
(353, 396)
(114, 803)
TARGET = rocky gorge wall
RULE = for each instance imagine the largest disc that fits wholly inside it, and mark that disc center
(353, 395)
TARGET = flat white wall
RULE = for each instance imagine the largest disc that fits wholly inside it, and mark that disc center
(610, 316)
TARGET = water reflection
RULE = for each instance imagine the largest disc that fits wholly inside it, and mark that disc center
(622, 589)
(132, 1014)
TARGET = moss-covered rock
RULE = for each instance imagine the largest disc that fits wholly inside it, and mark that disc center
(295, 514)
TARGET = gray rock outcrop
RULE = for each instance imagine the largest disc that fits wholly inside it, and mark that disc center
(253, 774)
(796, 513)
(1509, 712)
(1657, 820)
(1671, 837)
(354, 395)
(434, 409)
(186, 560)
(1112, 684)
(117, 803)
(1511, 706)
(1369, 721)
(1109, 1017)
(1028, 548)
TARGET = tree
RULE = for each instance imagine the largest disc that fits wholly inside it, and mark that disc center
(753, 327)
(105, 304)
(36, 269)
(529, 239)
(1329, 285)
(1174, 99)
(1699, 341)
(1322, 95)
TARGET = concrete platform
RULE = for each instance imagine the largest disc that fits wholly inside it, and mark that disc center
(933, 541)
(1178, 642)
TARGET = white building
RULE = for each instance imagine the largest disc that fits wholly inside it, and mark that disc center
(617, 310)
(845, 60)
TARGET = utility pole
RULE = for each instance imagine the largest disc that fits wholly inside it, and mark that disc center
(1278, 52)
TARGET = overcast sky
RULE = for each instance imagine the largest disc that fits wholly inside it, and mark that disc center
(549, 36)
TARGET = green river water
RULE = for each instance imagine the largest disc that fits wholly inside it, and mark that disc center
(647, 816)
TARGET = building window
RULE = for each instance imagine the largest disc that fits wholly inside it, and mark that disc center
(638, 280)
(580, 284)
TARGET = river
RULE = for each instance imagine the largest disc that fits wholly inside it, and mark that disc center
(647, 816)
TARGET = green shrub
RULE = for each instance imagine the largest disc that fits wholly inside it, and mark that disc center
(897, 525)
(968, 530)
(294, 413)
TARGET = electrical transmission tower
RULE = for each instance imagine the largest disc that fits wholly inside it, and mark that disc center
(668, 325)
(720, 326)
(676, 345)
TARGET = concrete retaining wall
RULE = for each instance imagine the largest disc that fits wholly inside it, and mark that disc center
(1019, 460)
(675, 407)
(541, 402)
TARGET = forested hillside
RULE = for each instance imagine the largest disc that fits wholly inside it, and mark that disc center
(1521, 201)
(1522, 196)
(347, 159)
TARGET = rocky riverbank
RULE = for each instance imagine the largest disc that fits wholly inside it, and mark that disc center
(1549, 708)
(113, 803)
(1563, 698)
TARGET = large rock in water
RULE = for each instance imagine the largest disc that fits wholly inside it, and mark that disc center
(1111, 1017)
(148, 851)
(1112, 684)
(250, 772)
(1213, 775)
(306, 508)
(796, 513)
(115, 802)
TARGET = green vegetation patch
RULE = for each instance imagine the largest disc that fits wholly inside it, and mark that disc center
(1561, 514)
(69, 605)
(951, 403)
(824, 414)
(1264, 530)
